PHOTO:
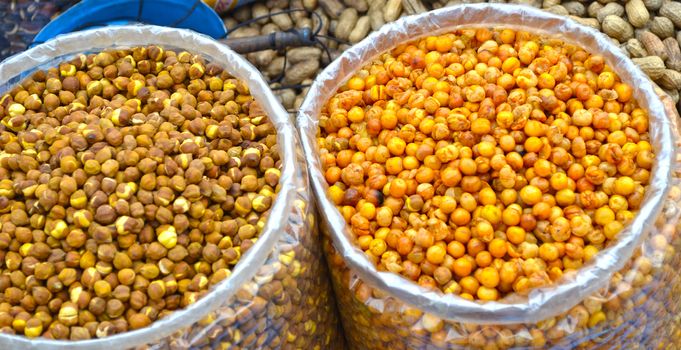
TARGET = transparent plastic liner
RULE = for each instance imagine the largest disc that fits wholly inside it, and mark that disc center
(278, 295)
(629, 277)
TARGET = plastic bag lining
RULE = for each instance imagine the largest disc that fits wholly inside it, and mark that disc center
(543, 302)
(292, 180)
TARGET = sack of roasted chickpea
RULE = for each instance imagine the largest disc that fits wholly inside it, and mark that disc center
(496, 177)
(152, 196)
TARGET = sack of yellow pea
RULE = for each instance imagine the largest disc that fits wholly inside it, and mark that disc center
(496, 177)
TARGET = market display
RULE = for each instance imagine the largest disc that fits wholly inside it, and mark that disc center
(134, 181)
(488, 177)
(453, 163)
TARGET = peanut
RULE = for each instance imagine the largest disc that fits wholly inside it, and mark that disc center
(304, 23)
(305, 90)
(325, 22)
(612, 8)
(260, 10)
(662, 27)
(575, 8)
(670, 79)
(332, 29)
(635, 48)
(413, 6)
(263, 58)
(392, 10)
(593, 8)
(623, 47)
(282, 20)
(286, 96)
(277, 3)
(244, 32)
(334, 54)
(361, 30)
(652, 43)
(672, 10)
(653, 5)
(301, 71)
(276, 67)
(310, 4)
(674, 94)
(269, 28)
(673, 53)
(300, 54)
(359, 5)
(617, 28)
(298, 102)
(297, 15)
(651, 65)
(230, 23)
(637, 13)
(346, 22)
(376, 5)
(376, 18)
(332, 8)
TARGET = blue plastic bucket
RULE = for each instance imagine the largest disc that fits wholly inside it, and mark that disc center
(188, 14)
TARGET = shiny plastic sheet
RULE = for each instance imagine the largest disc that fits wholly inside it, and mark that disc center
(624, 282)
(278, 295)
